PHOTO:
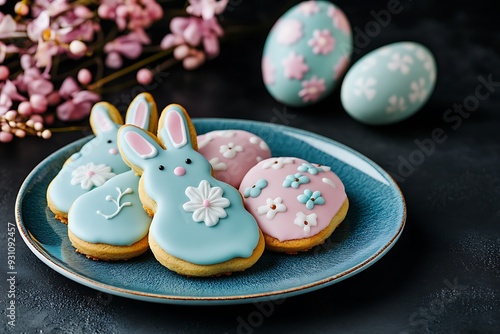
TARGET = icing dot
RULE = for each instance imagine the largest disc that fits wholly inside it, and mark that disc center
(90, 173)
(179, 171)
(161, 167)
(206, 203)
(273, 207)
(306, 222)
(188, 161)
(109, 141)
(113, 151)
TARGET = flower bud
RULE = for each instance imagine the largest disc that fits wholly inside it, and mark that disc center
(78, 48)
(21, 9)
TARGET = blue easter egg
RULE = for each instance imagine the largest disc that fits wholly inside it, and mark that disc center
(306, 53)
(389, 84)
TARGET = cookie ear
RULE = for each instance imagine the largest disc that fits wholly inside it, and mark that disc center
(104, 118)
(175, 129)
(142, 112)
(137, 146)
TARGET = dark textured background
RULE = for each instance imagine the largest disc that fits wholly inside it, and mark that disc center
(442, 276)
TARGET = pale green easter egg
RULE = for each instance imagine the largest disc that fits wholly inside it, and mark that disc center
(306, 53)
(389, 84)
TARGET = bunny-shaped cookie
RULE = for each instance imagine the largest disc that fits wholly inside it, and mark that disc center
(200, 226)
(99, 159)
(109, 222)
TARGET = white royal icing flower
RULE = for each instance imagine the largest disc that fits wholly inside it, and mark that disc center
(366, 87)
(229, 151)
(206, 203)
(272, 207)
(91, 175)
(305, 221)
(277, 163)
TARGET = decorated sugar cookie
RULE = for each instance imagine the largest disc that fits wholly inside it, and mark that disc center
(200, 226)
(109, 222)
(297, 204)
(99, 159)
(232, 153)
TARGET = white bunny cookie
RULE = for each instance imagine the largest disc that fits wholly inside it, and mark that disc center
(200, 226)
(109, 222)
(96, 162)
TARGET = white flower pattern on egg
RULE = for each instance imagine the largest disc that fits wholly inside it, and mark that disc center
(396, 104)
(400, 63)
(366, 87)
(418, 91)
(405, 78)
(428, 63)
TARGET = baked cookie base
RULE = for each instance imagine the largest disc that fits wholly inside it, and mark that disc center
(61, 216)
(190, 269)
(303, 245)
(108, 252)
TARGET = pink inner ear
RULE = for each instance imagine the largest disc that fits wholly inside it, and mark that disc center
(176, 130)
(140, 145)
(140, 115)
(103, 123)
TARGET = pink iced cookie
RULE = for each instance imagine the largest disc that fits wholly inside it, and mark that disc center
(232, 153)
(297, 204)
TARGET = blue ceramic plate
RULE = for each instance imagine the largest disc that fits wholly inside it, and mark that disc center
(375, 220)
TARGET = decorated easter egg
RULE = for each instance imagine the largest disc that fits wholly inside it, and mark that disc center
(389, 84)
(306, 53)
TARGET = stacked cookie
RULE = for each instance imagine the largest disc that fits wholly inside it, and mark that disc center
(177, 194)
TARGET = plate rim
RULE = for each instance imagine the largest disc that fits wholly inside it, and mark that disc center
(49, 260)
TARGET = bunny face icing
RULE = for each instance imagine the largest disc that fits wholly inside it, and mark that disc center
(99, 159)
(197, 218)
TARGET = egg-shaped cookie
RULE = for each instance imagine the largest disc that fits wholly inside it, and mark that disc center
(232, 153)
(297, 204)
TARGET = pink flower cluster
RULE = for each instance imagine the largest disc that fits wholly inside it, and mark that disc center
(131, 17)
(42, 31)
(200, 29)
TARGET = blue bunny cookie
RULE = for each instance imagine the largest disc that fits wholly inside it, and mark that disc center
(200, 226)
(109, 222)
(97, 161)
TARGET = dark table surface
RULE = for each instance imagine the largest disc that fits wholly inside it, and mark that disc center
(442, 276)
